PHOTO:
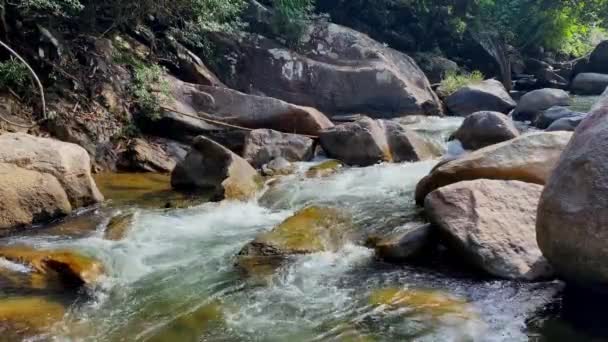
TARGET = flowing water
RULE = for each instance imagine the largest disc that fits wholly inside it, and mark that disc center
(172, 277)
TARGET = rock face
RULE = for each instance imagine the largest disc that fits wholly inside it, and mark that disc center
(548, 117)
(29, 197)
(68, 163)
(536, 101)
(589, 83)
(264, 145)
(529, 158)
(337, 70)
(231, 106)
(489, 95)
(566, 124)
(492, 223)
(485, 128)
(572, 216)
(367, 142)
(211, 166)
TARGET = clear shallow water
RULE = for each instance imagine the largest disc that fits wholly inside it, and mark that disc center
(172, 278)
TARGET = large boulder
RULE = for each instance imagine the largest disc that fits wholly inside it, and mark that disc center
(367, 142)
(435, 67)
(335, 69)
(147, 156)
(549, 116)
(264, 145)
(29, 197)
(492, 223)
(231, 106)
(489, 95)
(529, 158)
(598, 60)
(589, 83)
(70, 164)
(485, 128)
(211, 166)
(571, 225)
(536, 101)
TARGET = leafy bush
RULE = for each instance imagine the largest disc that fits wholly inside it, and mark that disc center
(14, 75)
(291, 19)
(453, 80)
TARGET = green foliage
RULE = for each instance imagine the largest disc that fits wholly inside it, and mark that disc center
(52, 7)
(453, 80)
(291, 19)
(14, 75)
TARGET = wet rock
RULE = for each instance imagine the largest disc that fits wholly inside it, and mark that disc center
(404, 245)
(264, 145)
(210, 165)
(529, 158)
(482, 129)
(489, 95)
(335, 69)
(589, 83)
(119, 226)
(492, 223)
(191, 326)
(144, 156)
(278, 167)
(23, 317)
(312, 229)
(231, 106)
(367, 142)
(68, 163)
(571, 224)
(533, 103)
(324, 169)
(548, 117)
(28, 197)
(566, 124)
(435, 304)
(73, 270)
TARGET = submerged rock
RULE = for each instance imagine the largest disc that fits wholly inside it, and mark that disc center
(492, 223)
(529, 158)
(22, 317)
(119, 226)
(324, 169)
(434, 304)
(367, 142)
(29, 197)
(73, 270)
(68, 163)
(482, 129)
(489, 95)
(312, 229)
(210, 165)
(264, 145)
(533, 103)
(190, 326)
(572, 215)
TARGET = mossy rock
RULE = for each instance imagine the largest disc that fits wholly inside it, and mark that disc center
(69, 268)
(23, 317)
(119, 226)
(310, 230)
(324, 169)
(434, 304)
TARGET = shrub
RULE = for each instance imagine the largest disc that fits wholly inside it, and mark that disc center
(291, 19)
(453, 80)
(14, 75)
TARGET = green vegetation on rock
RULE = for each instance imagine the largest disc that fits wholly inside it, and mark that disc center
(454, 80)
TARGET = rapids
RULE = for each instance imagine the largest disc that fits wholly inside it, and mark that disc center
(172, 277)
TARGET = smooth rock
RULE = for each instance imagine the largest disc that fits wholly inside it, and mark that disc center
(278, 167)
(433, 304)
(566, 124)
(264, 145)
(548, 117)
(489, 95)
(69, 163)
(210, 165)
(324, 169)
(145, 156)
(572, 219)
(404, 245)
(492, 223)
(28, 197)
(528, 158)
(589, 83)
(533, 103)
(485, 128)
